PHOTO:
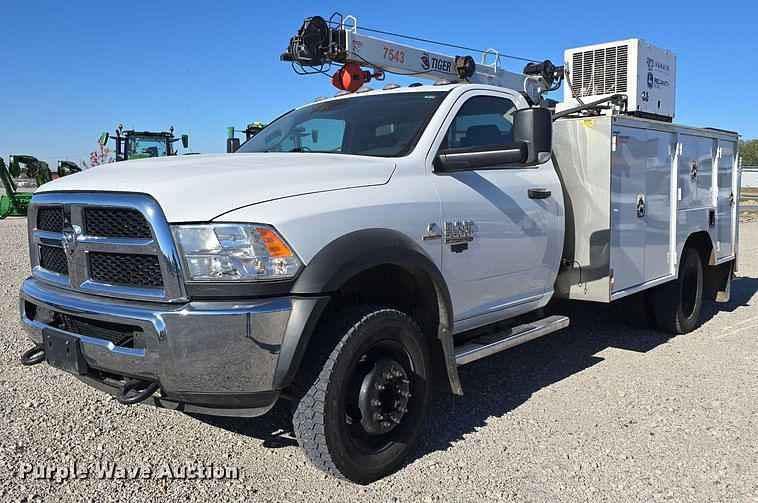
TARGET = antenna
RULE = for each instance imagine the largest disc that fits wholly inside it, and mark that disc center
(189, 110)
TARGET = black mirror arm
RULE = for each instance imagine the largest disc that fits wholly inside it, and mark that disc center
(486, 157)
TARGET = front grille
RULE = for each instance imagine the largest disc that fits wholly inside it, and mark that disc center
(50, 219)
(122, 247)
(53, 259)
(116, 333)
(125, 269)
(116, 223)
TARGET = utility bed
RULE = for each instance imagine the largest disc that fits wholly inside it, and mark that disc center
(634, 190)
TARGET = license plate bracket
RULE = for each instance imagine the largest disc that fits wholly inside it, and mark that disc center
(62, 351)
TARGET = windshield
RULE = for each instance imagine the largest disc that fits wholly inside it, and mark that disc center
(386, 125)
(145, 146)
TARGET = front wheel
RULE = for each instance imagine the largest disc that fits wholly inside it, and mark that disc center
(363, 407)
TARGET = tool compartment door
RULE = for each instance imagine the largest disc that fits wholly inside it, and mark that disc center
(641, 216)
(628, 183)
(658, 161)
(725, 198)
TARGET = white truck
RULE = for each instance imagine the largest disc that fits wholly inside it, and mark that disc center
(349, 257)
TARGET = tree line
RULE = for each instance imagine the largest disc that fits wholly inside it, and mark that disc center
(749, 152)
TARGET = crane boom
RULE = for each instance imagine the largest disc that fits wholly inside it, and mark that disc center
(317, 44)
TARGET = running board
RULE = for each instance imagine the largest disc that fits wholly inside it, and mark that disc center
(490, 344)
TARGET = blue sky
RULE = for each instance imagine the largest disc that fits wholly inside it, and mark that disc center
(72, 69)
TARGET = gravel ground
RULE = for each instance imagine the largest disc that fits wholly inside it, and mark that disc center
(596, 412)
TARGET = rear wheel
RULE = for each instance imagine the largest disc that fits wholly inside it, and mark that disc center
(363, 407)
(678, 302)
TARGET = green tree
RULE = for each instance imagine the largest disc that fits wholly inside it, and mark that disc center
(749, 152)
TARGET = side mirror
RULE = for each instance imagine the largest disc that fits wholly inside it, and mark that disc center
(185, 140)
(534, 128)
(487, 156)
(314, 135)
(104, 138)
(532, 145)
(232, 144)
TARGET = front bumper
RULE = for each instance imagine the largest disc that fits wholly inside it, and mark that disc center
(209, 357)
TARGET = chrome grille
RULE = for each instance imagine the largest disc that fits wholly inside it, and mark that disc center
(115, 223)
(125, 269)
(50, 219)
(112, 244)
(53, 259)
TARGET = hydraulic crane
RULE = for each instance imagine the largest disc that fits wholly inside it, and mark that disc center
(319, 43)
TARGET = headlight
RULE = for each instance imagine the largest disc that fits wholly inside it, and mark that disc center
(235, 252)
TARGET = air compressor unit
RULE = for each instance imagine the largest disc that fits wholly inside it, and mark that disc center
(646, 74)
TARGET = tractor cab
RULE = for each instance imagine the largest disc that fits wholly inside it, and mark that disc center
(132, 144)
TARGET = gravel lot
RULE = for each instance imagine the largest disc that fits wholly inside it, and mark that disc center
(595, 412)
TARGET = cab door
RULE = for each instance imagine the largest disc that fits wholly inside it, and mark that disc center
(501, 247)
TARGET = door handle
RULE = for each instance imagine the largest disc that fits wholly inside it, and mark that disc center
(539, 193)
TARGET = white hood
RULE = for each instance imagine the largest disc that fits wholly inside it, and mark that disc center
(198, 188)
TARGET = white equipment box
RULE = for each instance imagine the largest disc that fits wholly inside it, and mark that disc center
(646, 74)
(634, 190)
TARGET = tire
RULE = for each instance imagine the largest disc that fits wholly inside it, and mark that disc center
(375, 352)
(678, 302)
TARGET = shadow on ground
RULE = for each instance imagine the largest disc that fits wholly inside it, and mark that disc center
(499, 384)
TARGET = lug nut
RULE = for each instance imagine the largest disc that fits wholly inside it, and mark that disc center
(379, 387)
(376, 402)
(378, 416)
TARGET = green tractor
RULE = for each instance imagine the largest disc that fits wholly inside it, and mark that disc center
(143, 144)
(23, 171)
(233, 143)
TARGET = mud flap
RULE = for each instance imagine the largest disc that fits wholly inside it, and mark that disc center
(717, 282)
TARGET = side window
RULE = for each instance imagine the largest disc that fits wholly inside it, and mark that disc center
(481, 121)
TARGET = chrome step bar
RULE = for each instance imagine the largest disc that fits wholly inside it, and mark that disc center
(489, 344)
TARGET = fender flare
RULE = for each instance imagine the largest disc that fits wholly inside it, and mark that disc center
(341, 260)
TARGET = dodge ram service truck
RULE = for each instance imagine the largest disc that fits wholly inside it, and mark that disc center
(351, 256)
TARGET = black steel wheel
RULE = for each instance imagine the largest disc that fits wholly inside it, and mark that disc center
(677, 303)
(363, 411)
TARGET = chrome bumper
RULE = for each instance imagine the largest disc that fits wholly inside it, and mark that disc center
(212, 357)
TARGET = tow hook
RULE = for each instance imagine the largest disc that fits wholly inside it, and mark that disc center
(143, 389)
(33, 356)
